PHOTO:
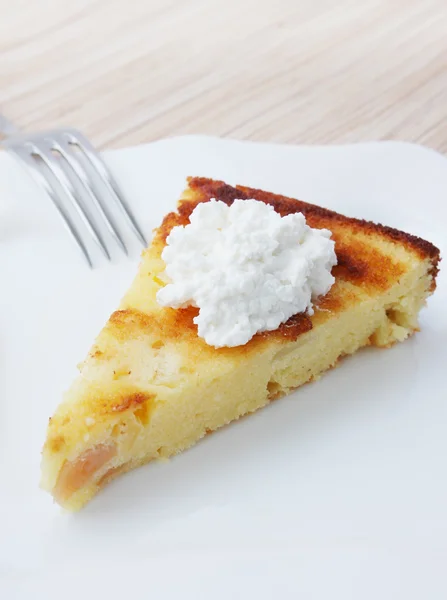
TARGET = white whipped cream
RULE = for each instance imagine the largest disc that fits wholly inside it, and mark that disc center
(246, 268)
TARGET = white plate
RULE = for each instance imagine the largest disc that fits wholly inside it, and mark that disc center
(338, 491)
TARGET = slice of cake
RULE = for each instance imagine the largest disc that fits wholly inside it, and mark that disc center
(151, 387)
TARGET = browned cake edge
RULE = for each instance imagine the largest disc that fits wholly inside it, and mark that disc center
(204, 189)
(374, 270)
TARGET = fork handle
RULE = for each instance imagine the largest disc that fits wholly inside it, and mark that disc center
(6, 127)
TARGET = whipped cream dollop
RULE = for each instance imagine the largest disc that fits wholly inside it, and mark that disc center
(246, 268)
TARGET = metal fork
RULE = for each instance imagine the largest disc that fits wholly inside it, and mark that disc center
(71, 172)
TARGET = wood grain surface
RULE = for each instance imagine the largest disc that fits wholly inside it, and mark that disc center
(296, 71)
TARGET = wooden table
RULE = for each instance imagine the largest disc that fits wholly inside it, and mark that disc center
(298, 71)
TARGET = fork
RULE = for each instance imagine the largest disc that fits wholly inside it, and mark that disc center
(71, 172)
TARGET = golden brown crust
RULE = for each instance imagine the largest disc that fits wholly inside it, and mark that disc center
(172, 325)
(204, 189)
(360, 259)
(317, 215)
(350, 262)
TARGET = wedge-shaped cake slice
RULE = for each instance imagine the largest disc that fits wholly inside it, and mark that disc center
(151, 387)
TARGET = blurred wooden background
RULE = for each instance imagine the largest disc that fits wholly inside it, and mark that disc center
(297, 71)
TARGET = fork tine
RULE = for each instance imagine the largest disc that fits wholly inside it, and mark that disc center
(80, 173)
(58, 173)
(76, 138)
(74, 234)
(24, 158)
